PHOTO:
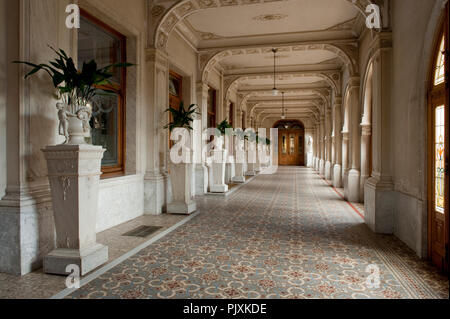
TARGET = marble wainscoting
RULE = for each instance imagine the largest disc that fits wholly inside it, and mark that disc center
(121, 200)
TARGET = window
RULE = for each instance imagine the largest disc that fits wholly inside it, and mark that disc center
(231, 115)
(175, 96)
(439, 139)
(439, 76)
(106, 46)
(212, 108)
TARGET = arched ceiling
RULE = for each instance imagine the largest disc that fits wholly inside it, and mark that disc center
(239, 24)
(316, 40)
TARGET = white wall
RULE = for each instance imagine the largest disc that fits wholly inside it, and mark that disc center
(3, 64)
(411, 20)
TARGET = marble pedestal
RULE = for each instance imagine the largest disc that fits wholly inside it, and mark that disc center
(74, 173)
(182, 193)
(217, 172)
(230, 170)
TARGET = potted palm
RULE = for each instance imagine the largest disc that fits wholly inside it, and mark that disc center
(181, 168)
(76, 90)
(74, 168)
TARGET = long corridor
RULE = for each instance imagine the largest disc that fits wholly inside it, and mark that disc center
(287, 235)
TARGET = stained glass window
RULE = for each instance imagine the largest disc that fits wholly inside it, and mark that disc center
(439, 161)
(292, 144)
(440, 65)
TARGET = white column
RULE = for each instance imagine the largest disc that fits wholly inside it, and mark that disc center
(200, 169)
(379, 189)
(322, 146)
(328, 145)
(365, 153)
(355, 143)
(156, 94)
(337, 169)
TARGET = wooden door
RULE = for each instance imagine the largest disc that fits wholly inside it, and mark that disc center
(291, 147)
(438, 125)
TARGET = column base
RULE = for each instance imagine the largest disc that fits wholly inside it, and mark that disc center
(337, 176)
(379, 205)
(154, 194)
(362, 190)
(322, 167)
(250, 173)
(353, 185)
(57, 261)
(328, 170)
(238, 179)
(182, 208)
(219, 189)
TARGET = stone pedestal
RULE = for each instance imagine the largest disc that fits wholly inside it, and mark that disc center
(74, 173)
(182, 194)
(217, 172)
(230, 169)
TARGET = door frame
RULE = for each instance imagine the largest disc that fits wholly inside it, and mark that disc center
(443, 97)
(290, 130)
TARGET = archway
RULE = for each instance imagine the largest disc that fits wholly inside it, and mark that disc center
(438, 152)
(291, 142)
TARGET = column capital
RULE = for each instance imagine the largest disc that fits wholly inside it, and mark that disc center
(156, 56)
(202, 87)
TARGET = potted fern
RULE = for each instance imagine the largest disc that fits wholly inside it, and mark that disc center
(181, 172)
(76, 90)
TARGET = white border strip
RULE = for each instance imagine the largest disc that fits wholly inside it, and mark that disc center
(131, 253)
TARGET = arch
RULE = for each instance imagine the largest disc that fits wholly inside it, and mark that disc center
(332, 78)
(346, 52)
(167, 16)
(291, 124)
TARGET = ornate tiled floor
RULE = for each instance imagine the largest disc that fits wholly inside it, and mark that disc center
(287, 235)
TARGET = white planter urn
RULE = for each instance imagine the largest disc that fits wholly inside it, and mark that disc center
(181, 175)
(239, 172)
(251, 159)
(74, 174)
(74, 170)
(217, 171)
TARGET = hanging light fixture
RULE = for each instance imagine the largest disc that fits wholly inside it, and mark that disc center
(275, 91)
(283, 112)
